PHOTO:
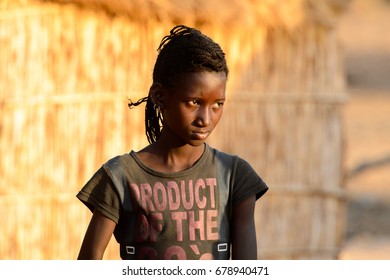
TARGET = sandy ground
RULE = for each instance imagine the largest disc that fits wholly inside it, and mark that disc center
(365, 34)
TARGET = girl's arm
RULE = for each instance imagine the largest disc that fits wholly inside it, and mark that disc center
(244, 245)
(96, 238)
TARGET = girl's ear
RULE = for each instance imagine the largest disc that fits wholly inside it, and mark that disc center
(156, 93)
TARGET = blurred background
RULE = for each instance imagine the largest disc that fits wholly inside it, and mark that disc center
(366, 41)
(308, 106)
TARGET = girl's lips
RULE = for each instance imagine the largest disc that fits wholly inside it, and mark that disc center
(201, 135)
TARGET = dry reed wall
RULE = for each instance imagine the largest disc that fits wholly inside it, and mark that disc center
(284, 115)
(65, 76)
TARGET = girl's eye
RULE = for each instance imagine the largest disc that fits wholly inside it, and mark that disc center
(194, 102)
(217, 105)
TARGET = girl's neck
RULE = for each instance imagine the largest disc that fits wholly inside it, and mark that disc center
(164, 157)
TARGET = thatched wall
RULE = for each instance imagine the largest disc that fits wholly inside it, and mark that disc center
(285, 116)
(68, 69)
(66, 76)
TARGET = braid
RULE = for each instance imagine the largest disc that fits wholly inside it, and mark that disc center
(153, 118)
(184, 50)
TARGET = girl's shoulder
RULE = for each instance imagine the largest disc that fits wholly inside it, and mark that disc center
(227, 158)
(120, 161)
(231, 163)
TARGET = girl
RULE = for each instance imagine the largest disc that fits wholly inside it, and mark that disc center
(177, 198)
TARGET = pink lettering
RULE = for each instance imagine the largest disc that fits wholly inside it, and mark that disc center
(196, 225)
(135, 190)
(146, 197)
(200, 202)
(160, 196)
(175, 253)
(179, 217)
(147, 253)
(212, 225)
(173, 195)
(155, 225)
(212, 182)
(188, 203)
(195, 249)
(206, 256)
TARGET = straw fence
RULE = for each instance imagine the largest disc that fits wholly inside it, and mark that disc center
(285, 116)
(68, 69)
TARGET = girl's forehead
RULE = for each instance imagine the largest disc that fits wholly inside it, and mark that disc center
(201, 82)
(201, 78)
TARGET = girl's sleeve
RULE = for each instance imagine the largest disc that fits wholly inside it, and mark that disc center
(246, 182)
(99, 194)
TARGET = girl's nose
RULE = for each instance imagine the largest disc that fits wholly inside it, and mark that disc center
(203, 117)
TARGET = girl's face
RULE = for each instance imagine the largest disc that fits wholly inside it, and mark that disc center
(194, 106)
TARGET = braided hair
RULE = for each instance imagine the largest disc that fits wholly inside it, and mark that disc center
(184, 50)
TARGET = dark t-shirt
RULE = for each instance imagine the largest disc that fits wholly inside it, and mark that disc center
(178, 215)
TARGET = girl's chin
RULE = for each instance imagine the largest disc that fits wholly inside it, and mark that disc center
(196, 143)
